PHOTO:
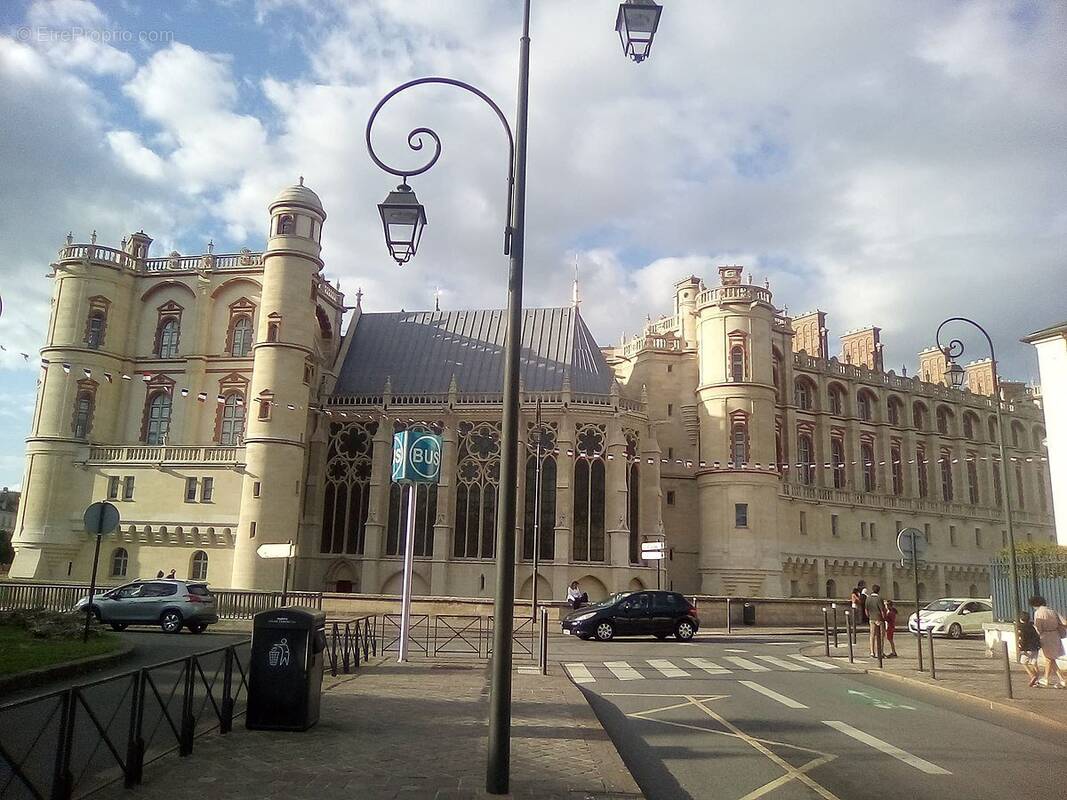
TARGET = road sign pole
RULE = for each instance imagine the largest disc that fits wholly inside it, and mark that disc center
(285, 577)
(409, 565)
(918, 610)
(92, 581)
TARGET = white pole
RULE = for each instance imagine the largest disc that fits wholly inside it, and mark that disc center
(409, 563)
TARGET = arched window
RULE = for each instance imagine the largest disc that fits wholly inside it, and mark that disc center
(837, 456)
(865, 405)
(120, 561)
(1018, 436)
(232, 427)
(776, 374)
(198, 566)
(83, 414)
(897, 470)
(802, 394)
(992, 425)
(998, 488)
(831, 588)
(922, 471)
(94, 335)
(1020, 494)
(918, 416)
(546, 523)
(588, 509)
(633, 511)
(158, 421)
(737, 363)
(946, 476)
(805, 458)
(477, 477)
(894, 408)
(870, 474)
(425, 514)
(241, 336)
(346, 499)
(286, 225)
(968, 426)
(972, 478)
(738, 441)
(167, 338)
(944, 417)
(836, 400)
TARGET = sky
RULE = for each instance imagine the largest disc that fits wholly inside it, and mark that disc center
(890, 163)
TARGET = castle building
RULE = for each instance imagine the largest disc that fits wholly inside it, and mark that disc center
(216, 401)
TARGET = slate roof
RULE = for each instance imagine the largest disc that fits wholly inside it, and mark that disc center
(420, 351)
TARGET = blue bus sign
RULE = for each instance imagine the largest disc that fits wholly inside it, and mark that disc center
(416, 457)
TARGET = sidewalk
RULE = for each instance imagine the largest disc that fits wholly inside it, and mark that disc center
(415, 731)
(964, 668)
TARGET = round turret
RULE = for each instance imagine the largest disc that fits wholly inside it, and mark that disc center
(300, 196)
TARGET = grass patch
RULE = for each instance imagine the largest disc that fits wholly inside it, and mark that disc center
(25, 646)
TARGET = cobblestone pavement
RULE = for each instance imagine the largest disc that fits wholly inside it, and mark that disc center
(964, 667)
(415, 731)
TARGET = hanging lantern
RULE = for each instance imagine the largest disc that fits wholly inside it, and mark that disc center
(403, 219)
(636, 26)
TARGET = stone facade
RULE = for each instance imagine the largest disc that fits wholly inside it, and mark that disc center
(214, 399)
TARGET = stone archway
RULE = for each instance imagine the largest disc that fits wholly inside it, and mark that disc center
(544, 589)
(395, 584)
(635, 585)
(342, 576)
(593, 587)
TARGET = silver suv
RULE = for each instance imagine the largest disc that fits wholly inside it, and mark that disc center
(171, 604)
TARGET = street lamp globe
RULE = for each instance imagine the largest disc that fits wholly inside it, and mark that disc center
(636, 25)
(403, 219)
(954, 374)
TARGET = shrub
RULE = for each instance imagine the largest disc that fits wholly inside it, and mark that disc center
(48, 624)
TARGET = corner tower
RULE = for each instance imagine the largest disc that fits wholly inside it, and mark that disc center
(276, 443)
(737, 484)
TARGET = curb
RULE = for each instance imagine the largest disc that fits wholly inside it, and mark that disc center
(36, 677)
(617, 778)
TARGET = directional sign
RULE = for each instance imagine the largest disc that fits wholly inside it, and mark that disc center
(283, 550)
(652, 555)
(651, 547)
(416, 457)
(101, 518)
(911, 541)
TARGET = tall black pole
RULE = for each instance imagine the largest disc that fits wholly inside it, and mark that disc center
(92, 581)
(498, 767)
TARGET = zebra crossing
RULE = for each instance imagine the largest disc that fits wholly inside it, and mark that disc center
(656, 668)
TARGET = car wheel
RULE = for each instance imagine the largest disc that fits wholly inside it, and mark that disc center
(605, 631)
(171, 622)
(955, 631)
(685, 631)
(197, 627)
(119, 626)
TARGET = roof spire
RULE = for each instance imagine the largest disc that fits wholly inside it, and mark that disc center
(437, 298)
(301, 180)
(576, 300)
(359, 297)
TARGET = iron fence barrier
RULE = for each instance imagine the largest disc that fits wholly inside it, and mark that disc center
(350, 642)
(1038, 575)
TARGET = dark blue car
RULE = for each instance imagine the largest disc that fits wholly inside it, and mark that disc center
(650, 613)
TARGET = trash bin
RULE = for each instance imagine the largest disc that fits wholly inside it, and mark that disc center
(285, 669)
(748, 614)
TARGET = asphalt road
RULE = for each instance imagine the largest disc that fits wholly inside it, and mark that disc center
(745, 717)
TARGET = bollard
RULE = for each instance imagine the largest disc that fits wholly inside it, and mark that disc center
(850, 631)
(834, 607)
(826, 630)
(1007, 671)
(881, 650)
(729, 623)
(933, 666)
(543, 655)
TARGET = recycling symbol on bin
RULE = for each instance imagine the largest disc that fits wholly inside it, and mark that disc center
(279, 654)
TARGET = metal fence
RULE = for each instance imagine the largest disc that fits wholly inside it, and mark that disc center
(456, 635)
(72, 742)
(1038, 575)
(231, 603)
(350, 642)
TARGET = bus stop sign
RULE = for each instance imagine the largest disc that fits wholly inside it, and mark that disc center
(416, 457)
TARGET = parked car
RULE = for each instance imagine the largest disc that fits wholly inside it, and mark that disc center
(954, 617)
(651, 613)
(171, 604)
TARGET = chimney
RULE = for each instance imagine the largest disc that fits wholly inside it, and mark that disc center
(809, 334)
(863, 348)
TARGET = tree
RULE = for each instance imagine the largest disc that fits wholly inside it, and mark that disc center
(7, 552)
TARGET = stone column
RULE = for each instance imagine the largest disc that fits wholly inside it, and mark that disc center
(618, 530)
(820, 577)
(564, 494)
(378, 513)
(444, 524)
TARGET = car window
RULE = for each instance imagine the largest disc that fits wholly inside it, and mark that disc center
(638, 602)
(665, 601)
(985, 607)
(159, 590)
(942, 605)
(972, 607)
(199, 590)
(134, 590)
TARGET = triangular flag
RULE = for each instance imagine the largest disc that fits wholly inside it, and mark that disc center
(88, 372)
(146, 377)
(107, 377)
(126, 377)
(185, 392)
(202, 397)
(66, 368)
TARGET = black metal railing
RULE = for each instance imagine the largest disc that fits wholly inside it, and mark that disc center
(349, 643)
(456, 635)
(70, 743)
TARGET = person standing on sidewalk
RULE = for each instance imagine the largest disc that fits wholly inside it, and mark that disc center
(876, 619)
(889, 613)
(1051, 628)
(1029, 643)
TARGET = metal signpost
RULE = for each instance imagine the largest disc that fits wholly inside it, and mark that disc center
(286, 551)
(912, 546)
(653, 551)
(416, 459)
(100, 518)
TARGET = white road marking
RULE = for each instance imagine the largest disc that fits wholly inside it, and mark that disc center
(778, 662)
(579, 673)
(813, 662)
(623, 671)
(781, 698)
(709, 667)
(901, 755)
(728, 650)
(744, 663)
(667, 668)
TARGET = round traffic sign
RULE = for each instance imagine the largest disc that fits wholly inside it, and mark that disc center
(911, 541)
(425, 456)
(101, 518)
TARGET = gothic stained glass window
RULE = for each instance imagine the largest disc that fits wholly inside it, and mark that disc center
(546, 529)
(477, 478)
(346, 499)
(425, 515)
(589, 494)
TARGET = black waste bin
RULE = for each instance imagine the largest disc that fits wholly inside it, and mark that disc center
(748, 614)
(285, 669)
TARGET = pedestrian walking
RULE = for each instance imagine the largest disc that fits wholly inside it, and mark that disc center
(1028, 642)
(864, 593)
(889, 614)
(1051, 629)
(575, 596)
(875, 619)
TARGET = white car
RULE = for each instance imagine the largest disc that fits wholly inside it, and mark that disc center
(954, 617)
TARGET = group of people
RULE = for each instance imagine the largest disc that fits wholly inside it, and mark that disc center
(168, 575)
(1042, 636)
(878, 614)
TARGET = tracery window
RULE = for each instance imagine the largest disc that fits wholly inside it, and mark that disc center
(589, 493)
(546, 521)
(346, 500)
(425, 514)
(477, 476)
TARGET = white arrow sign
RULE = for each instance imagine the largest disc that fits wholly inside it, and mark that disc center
(284, 550)
(652, 555)
(649, 547)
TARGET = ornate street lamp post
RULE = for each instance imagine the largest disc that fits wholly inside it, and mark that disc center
(403, 219)
(954, 376)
